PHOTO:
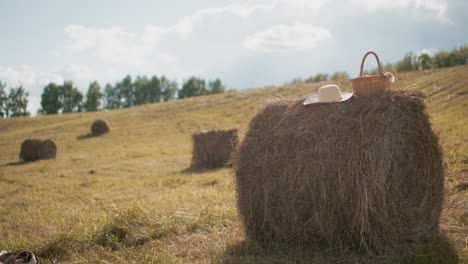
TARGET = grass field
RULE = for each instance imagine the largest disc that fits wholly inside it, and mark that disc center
(126, 197)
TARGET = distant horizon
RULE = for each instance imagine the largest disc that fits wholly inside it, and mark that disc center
(247, 44)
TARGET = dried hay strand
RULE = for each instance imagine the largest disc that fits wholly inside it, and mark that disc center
(364, 174)
(99, 127)
(213, 148)
(36, 149)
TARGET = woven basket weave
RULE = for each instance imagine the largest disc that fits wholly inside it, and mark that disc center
(369, 85)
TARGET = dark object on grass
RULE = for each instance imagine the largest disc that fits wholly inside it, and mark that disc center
(362, 174)
(36, 149)
(20, 256)
(99, 127)
(213, 148)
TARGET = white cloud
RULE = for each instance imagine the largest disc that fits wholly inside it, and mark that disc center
(34, 103)
(33, 81)
(54, 53)
(78, 72)
(236, 10)
(119, 44)
(46, 78)
(23, 75)
(15, 76)
(303, 4)
(437, 6)
(247, 10)
(428, 51)
(286, 38)
(115, 44)
(168, 58)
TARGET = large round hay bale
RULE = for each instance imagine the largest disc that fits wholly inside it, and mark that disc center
(47, 149)
(363, 174)
(213, 148)
(29, 150)
(99, 127)
(36, 149)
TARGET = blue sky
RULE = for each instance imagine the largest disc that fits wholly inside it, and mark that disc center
(247, 44)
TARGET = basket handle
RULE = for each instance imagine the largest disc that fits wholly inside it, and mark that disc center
(364, 59)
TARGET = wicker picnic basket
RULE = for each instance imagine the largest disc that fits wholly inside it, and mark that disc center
(369, 85)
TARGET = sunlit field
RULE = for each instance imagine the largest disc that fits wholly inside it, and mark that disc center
(127, 196)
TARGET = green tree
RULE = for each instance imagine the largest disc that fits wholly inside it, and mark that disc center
(169, 89)
(93, 97)
(389, 68)
(16, 102)
(425, 61)
(140, 90)
(408, 63)
(154, 90)
(385, 68)
(127, 91)
(296, 80)
(320, 77)
(455, 57)
(216, 87)
(50, 102)
(70, 98)
(3, 99)
(193, 87)
(339, 76)
(146, 91)
(463, 53)
(112, 97)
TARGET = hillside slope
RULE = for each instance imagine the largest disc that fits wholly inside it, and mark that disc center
(127, 195)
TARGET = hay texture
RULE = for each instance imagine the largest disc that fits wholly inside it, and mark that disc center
(364, 174)
(213, 148)
(37, 149)
(99, 127)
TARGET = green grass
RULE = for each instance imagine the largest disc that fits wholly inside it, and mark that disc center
(125, 197)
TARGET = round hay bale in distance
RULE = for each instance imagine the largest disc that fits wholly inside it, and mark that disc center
(99, 127)
(213, 148)
(29, 149)
(363, 174)
(36, 149)
(47, 149)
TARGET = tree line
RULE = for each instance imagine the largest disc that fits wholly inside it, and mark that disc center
(13, 103)
(66, 98)
(441, 59)
(410, 62)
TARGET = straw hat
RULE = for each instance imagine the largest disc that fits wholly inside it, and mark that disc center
(329, 93)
